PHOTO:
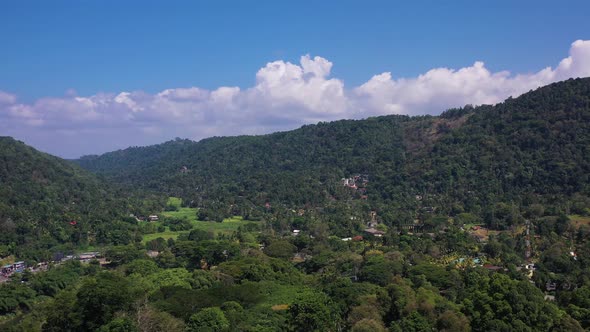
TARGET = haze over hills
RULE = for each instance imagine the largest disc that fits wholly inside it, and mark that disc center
(523, 151)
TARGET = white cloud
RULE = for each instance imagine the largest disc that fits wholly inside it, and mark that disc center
(442, 88)
(7, 98)
(577, 64)
(285, 96)
(303, 91)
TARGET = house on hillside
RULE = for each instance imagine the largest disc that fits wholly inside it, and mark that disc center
(480, 238)
(491, 267)
(374, 232)
(428, 209)
(6, 270)
(88, 256)
(373, 215)
(300, 257)
(9, 269)
(153, 253)
(529, 269)
(153, 217)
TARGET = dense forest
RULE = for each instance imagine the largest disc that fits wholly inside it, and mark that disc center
(525, 151)
(474, 220)
(47, 202)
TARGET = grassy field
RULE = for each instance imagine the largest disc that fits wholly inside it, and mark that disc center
(578, 220)
(189, 213)
(183, 212)
(165, 235)
(228, 225)
(278, 296)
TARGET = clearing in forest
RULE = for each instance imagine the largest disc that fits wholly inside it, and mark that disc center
(228, 226)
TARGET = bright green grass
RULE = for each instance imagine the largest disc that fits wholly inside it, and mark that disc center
(189, 213)
(227, 227)
(175, 201)
(165, 235)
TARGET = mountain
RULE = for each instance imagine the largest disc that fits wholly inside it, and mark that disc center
(46, 201)
(522, 162)
(486, 160)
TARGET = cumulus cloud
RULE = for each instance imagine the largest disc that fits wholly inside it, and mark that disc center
(442, 88)
(7, 98)
(285, 96)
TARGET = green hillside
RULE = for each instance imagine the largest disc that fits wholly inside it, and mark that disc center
(527, 150)
(479, 221)
(46, 202)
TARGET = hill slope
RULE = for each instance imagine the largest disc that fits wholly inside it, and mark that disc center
(530, 149)
(46, 201)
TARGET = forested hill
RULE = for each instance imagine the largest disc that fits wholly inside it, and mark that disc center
(46, 201)
(527, 150)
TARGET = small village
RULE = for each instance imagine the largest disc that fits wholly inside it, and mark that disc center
(8, 270)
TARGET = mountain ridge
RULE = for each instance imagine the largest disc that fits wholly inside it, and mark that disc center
(522, 150)
(46, 201)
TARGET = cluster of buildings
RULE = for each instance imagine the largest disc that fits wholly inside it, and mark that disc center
(10, 269)
(19, 267)
(356, 181)
(150, 218)
(84, 257)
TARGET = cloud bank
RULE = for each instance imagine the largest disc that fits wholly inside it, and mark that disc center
(285, 96)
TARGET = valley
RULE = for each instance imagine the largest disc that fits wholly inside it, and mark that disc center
(474, 220)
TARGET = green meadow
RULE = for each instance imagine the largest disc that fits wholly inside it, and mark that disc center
(228, 226)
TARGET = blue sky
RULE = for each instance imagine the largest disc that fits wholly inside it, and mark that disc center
(92, 46)
(63, 50)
